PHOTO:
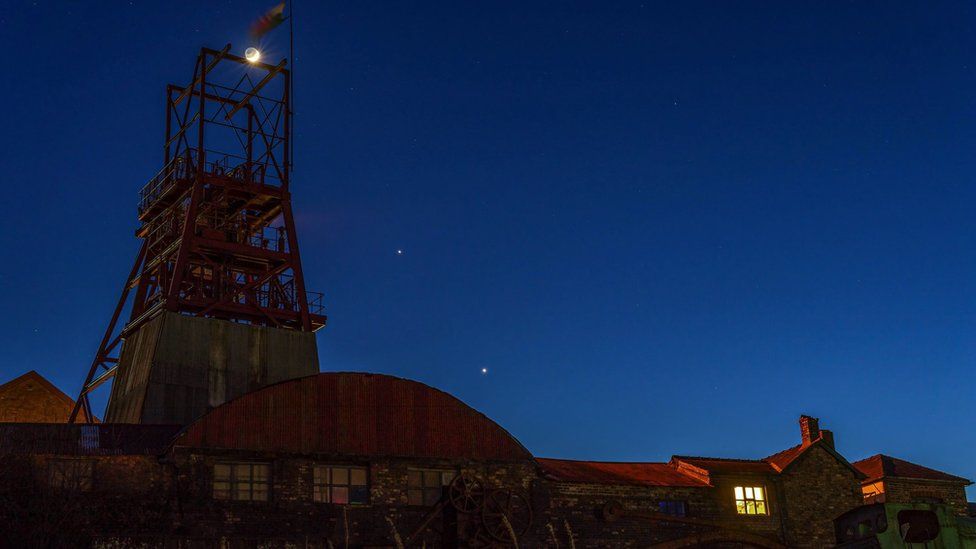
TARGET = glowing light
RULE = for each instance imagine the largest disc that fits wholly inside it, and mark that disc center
(399, 252)
(484, 371)
(252, 55)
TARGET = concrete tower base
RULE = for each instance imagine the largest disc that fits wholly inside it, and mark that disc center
(175, 367)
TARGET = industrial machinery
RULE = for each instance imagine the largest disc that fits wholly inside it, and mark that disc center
(216, 296)
(909, 525)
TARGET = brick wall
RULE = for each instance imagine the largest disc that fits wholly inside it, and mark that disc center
(904, 490)
(815, 490)
(148, 498)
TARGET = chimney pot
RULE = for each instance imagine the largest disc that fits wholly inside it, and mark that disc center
(828, 437)
(809, 429)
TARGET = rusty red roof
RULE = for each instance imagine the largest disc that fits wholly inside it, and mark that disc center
(727, 465)
(782, 460)
(355, 414)
(602, 472)
(880, 466)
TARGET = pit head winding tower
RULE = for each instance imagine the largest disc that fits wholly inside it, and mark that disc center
(216, 297)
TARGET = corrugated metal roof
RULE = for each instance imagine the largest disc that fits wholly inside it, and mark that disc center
(616, 473)
(356, 414)
(880, 466)
(79, 439)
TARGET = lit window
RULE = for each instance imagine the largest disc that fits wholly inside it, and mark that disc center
(241, 481)
(425, 486)
(70, 474)
(339, 484)
(673, 508)
(750, 500)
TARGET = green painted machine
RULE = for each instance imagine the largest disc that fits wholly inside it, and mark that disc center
(908, 525)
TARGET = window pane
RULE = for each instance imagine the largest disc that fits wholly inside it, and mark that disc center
(221, 471)
(357, 477)
(748, 492)
(320, 475)
(759, 494)
(260, 493)
(738, 492)
(740, 507)
(761, 508)
(415, 479)
(340, 494)
(340, 475)
(261, 472)
(432, 496)
(432, 478)
(319, 494)
(242, 471)
(359, 494)
(750, 507)
(447, 477)
(241, 491)
(415, 497)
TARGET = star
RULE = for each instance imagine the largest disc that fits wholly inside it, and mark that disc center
(484, 371)
(399, 252)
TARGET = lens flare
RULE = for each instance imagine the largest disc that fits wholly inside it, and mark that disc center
(252, 55)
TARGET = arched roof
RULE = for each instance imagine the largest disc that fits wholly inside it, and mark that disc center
(354, 414)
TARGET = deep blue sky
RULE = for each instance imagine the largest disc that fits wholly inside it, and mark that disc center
(662, 227)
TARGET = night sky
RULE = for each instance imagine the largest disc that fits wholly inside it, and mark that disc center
(662, 227)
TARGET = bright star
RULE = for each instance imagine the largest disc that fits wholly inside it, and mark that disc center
(484, 371)
(399, 252)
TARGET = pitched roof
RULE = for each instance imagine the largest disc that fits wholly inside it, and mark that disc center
(604, 472)
(726, 465)
(30, 398)
(881, 466)
(782, 460)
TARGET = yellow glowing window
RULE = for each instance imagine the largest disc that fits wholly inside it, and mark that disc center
(750, 500)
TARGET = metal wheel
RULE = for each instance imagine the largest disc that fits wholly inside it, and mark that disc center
(506, 506)
(467, 493)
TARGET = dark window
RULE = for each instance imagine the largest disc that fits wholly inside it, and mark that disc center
(242, 481)
(425, 486)
(673, 508)
(70, 474)
(340, 484)
(918, 526)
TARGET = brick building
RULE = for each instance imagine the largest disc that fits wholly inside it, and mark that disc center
(31, 398)
(366, 460)
(893, 480)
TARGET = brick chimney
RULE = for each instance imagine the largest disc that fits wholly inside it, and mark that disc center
(827, 437)
(809, 429)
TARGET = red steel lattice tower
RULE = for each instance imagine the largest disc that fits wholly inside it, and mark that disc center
(216, 223)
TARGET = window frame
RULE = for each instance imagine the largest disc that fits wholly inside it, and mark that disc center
(673, 507)
(328, 485)
(754, 496)
(233, 482)
(426, 490)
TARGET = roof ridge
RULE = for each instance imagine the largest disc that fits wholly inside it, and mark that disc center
(718, 458)
(607, 462)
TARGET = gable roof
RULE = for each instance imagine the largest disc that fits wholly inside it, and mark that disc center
(782, 460)
(726, 465)
(605, 472)
(31, 398)
(881, 466)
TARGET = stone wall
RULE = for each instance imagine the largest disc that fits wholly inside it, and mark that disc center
(816, 489)
(905, 490)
